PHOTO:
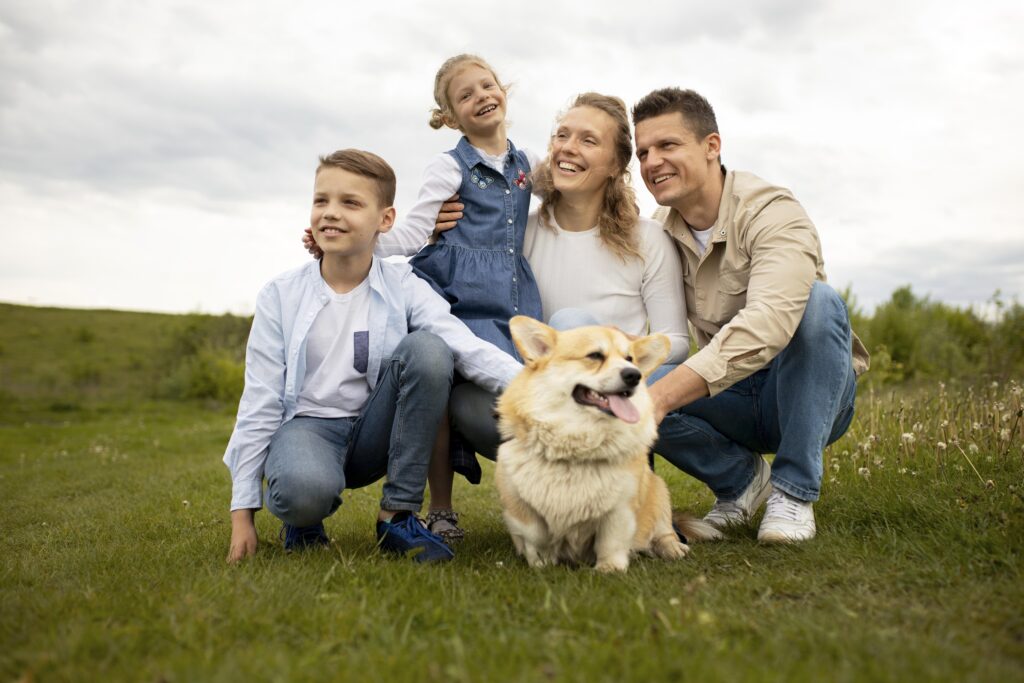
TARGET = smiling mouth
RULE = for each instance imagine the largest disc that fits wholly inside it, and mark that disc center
(567, 166)
(617, 405)
(487, 110)
(332, 230)
(662, 178)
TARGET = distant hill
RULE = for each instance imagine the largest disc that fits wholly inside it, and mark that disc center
(69, 357)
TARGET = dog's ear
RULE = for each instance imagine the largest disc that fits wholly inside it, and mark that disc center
(533, 338)
(650, 352)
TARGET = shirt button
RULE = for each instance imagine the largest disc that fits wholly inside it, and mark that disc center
(515, 308)
(510, 251)
(508, 191)
(510, 221)
(513, 279)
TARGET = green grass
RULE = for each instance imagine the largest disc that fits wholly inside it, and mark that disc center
(115, 523)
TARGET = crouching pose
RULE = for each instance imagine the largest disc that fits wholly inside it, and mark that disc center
(348, 369)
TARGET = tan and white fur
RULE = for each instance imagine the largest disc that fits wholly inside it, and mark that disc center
(573, 475)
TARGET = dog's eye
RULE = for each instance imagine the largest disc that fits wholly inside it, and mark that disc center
(629, 359)
(596, 355)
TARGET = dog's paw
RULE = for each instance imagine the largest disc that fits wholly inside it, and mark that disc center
(612, 564)
(670, 548)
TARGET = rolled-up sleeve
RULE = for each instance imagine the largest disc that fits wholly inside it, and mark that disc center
(783, 262)
(261, 408)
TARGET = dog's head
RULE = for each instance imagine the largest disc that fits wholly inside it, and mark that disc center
(585, 384)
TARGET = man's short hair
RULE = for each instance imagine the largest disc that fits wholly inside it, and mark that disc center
(368, 165)
(696, 110)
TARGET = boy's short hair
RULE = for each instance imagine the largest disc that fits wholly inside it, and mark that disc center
(696, 110)
(368, 165)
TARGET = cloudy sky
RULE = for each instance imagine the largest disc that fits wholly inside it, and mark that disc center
(158, 155)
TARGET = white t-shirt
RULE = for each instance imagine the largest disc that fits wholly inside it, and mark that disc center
(576, 270)
(702, 237)
(337, 351)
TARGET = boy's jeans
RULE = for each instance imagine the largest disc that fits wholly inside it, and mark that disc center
(801, 402)
(312, 460)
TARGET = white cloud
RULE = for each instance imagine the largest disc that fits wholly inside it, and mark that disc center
(170, 145)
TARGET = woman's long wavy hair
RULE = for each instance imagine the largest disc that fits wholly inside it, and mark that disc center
(617, 224)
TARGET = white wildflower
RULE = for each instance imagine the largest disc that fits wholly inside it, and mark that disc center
(1004, 434)
(917, 428)
(972, 448)
(941, 445)
(864, 472)
(907, 437)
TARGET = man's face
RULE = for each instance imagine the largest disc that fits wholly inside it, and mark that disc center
(346, 213)
(673, 163)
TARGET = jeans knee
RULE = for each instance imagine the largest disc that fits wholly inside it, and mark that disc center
(427, 355)
(824, 316)
(571, 318)
(301, 500)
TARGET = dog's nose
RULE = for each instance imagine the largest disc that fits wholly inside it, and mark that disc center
(631, 376)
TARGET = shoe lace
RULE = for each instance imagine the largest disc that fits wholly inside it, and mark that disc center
(782, 506)
(725, 507)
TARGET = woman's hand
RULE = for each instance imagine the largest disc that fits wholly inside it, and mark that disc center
(243, 535)
(450, 213)
(310, 244)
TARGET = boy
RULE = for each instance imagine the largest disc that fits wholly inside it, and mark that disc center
(339, 389)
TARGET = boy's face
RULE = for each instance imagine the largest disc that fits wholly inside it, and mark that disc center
(347, 215)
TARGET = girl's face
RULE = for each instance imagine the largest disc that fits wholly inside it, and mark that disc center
(477, 101)
(582, 155)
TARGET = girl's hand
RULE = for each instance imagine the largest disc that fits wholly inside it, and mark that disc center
(310, 244)
(450, 213)
(243, 536)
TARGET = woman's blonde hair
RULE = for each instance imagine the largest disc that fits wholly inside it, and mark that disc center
(444, 113)
(620, 215)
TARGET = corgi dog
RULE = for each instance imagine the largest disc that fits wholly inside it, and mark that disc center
(573, 474)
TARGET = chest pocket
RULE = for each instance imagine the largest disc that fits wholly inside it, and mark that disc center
(732, 294)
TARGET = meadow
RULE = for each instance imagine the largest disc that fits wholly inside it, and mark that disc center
(112, 426)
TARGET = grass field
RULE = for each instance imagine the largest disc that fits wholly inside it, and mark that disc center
(115, 521)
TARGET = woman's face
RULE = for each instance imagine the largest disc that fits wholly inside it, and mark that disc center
(583, 152)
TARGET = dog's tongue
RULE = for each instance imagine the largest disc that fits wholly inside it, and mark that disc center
(623, 408)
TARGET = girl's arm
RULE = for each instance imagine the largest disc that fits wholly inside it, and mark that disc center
(662, 289)
(441, 180)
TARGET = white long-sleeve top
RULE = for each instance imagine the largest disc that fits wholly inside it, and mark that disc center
(576, 270)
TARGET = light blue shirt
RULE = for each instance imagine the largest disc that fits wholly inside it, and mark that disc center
(275, 357)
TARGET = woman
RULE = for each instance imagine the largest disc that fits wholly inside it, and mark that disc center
(595, 259)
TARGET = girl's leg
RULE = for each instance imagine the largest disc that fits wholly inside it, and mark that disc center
(442, 519)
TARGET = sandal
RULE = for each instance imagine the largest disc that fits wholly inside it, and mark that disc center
(445, 523)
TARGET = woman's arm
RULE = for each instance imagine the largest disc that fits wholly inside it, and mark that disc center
(662, 289)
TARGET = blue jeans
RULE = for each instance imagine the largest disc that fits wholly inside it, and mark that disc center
(313, 459)
(799, 403)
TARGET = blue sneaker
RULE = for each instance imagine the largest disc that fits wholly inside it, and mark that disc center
(296, 537)
(406, 535)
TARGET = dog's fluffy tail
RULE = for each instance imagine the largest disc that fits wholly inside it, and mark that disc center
(694, 529)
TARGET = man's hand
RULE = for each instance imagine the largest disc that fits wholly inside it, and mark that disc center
(243, 535)
(675, 390)
(310, 244)
(450, 213)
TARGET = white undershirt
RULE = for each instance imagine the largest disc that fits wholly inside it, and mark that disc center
(337, 351)
(576, 270)
(702, 237)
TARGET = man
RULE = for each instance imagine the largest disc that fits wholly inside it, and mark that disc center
(777, 365)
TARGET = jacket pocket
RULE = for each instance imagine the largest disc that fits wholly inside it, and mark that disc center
(732, 294)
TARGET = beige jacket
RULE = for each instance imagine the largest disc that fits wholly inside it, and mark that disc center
(746, 295)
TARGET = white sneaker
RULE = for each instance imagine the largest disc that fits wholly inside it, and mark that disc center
(727, 513)
(786, 520)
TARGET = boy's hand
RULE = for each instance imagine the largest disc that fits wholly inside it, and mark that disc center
(310, 244)
(450, 213)
(243, 536)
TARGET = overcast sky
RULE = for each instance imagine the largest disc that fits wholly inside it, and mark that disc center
(159, 155)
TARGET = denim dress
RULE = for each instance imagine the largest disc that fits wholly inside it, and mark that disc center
(479, 266)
